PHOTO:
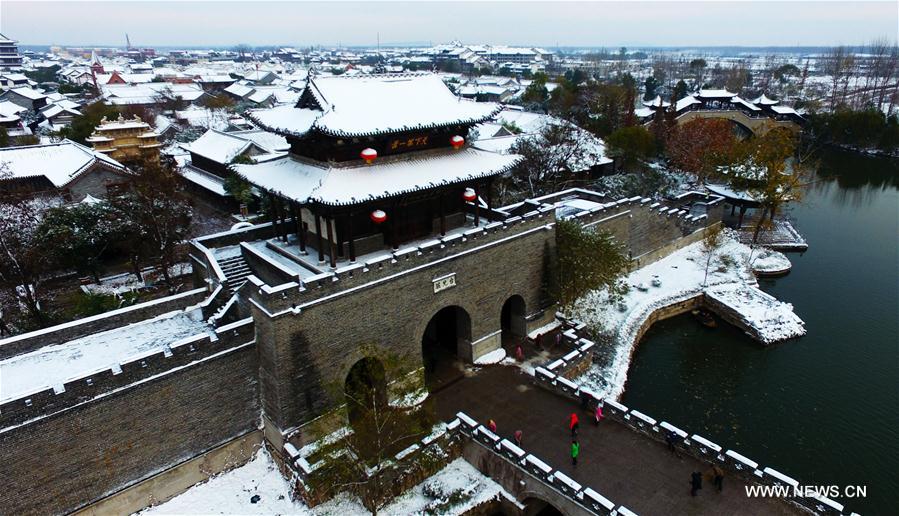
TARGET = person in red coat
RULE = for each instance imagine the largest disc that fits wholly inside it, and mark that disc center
(573, 424)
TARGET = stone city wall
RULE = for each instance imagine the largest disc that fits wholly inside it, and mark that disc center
(31, 341)
(105, 440)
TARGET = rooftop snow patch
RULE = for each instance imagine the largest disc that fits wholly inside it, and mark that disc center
(59, 162)
(220, 147)
(285, 119)
(376, 104)
(306, 181)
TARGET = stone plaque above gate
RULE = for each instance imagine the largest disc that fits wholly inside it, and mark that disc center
(444, 282)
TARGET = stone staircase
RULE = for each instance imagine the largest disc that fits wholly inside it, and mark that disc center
(236, 271)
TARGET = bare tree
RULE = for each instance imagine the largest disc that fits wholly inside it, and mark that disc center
(711, 242)
(22, 262)
(835, 67)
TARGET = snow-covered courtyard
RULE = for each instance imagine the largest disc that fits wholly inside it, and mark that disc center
(676, 278)
(259, 488)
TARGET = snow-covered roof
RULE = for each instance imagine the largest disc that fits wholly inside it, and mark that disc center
(686, 102)
(784, 110)
(9, 109)
(765, 101)
(148, 93)
(373, 104)
(306, 181)
(219, 146)
(715, 94)
(748, 105)
(729, 193)
(28, 93)
(265, 139)
(55, 109)
(204, 179)
(644, 112)
(59, 162)
(656, 102)
(239, 90)
(285, 119)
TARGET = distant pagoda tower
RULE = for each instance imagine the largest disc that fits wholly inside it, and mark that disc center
(96, 65)
(125, 140)
(9, 53)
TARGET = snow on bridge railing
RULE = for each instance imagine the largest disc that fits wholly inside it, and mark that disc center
(694, 445)
(556, 480)
(86, 386)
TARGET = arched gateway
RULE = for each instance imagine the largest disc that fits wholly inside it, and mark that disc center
(448, 331)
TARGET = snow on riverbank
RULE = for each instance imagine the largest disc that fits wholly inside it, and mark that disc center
(772, 320)
(673, 279)
(232, 492)
(51, 366)
(768, 261)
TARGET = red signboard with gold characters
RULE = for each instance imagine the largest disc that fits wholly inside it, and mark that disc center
(410, 142)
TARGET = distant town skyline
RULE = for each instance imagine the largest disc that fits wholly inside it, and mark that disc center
(550, 24)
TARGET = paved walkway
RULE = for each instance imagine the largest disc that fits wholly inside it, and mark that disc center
(629, 469)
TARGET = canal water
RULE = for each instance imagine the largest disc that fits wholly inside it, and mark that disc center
(823, 408)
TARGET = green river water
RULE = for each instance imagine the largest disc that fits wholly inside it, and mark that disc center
(824, 408)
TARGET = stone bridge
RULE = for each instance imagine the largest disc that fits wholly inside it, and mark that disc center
(758, 126)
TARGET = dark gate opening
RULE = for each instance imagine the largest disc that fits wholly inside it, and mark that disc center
(512, 321)
(447, 331)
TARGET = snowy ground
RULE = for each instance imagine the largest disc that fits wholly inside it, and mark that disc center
(679, 277)
(126, 282)
(51, 366)
(232, 493)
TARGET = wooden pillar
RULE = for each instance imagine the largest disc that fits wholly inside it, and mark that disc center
(733, 208)
(442, 214)
(274, 213)
(333, 244)
(742, 212)
(318, 233)
(490, 200)
(477, 208)
(301, 226)
(282, 222)
(350, 237)
(395, 215)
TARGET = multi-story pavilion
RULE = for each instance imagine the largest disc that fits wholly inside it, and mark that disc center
(376, 161)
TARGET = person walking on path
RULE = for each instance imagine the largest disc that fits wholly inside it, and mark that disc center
(597, 414)
(575, 451)
(573, 424)
(518, 438)
(519, 353)
(492, 426)
(717, 475)
(671, 438)
(695, 482)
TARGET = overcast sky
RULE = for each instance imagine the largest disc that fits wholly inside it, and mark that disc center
(609, 24)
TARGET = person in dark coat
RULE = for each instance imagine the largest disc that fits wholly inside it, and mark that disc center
(717, 475)
(695, 482)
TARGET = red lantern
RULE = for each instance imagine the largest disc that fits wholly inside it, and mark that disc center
(378, 216)
(469, 195)
(457, 142)
(368, 155)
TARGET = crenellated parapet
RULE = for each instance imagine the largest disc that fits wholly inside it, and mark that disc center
(293, 295)
(130, 371)
(551, 376)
